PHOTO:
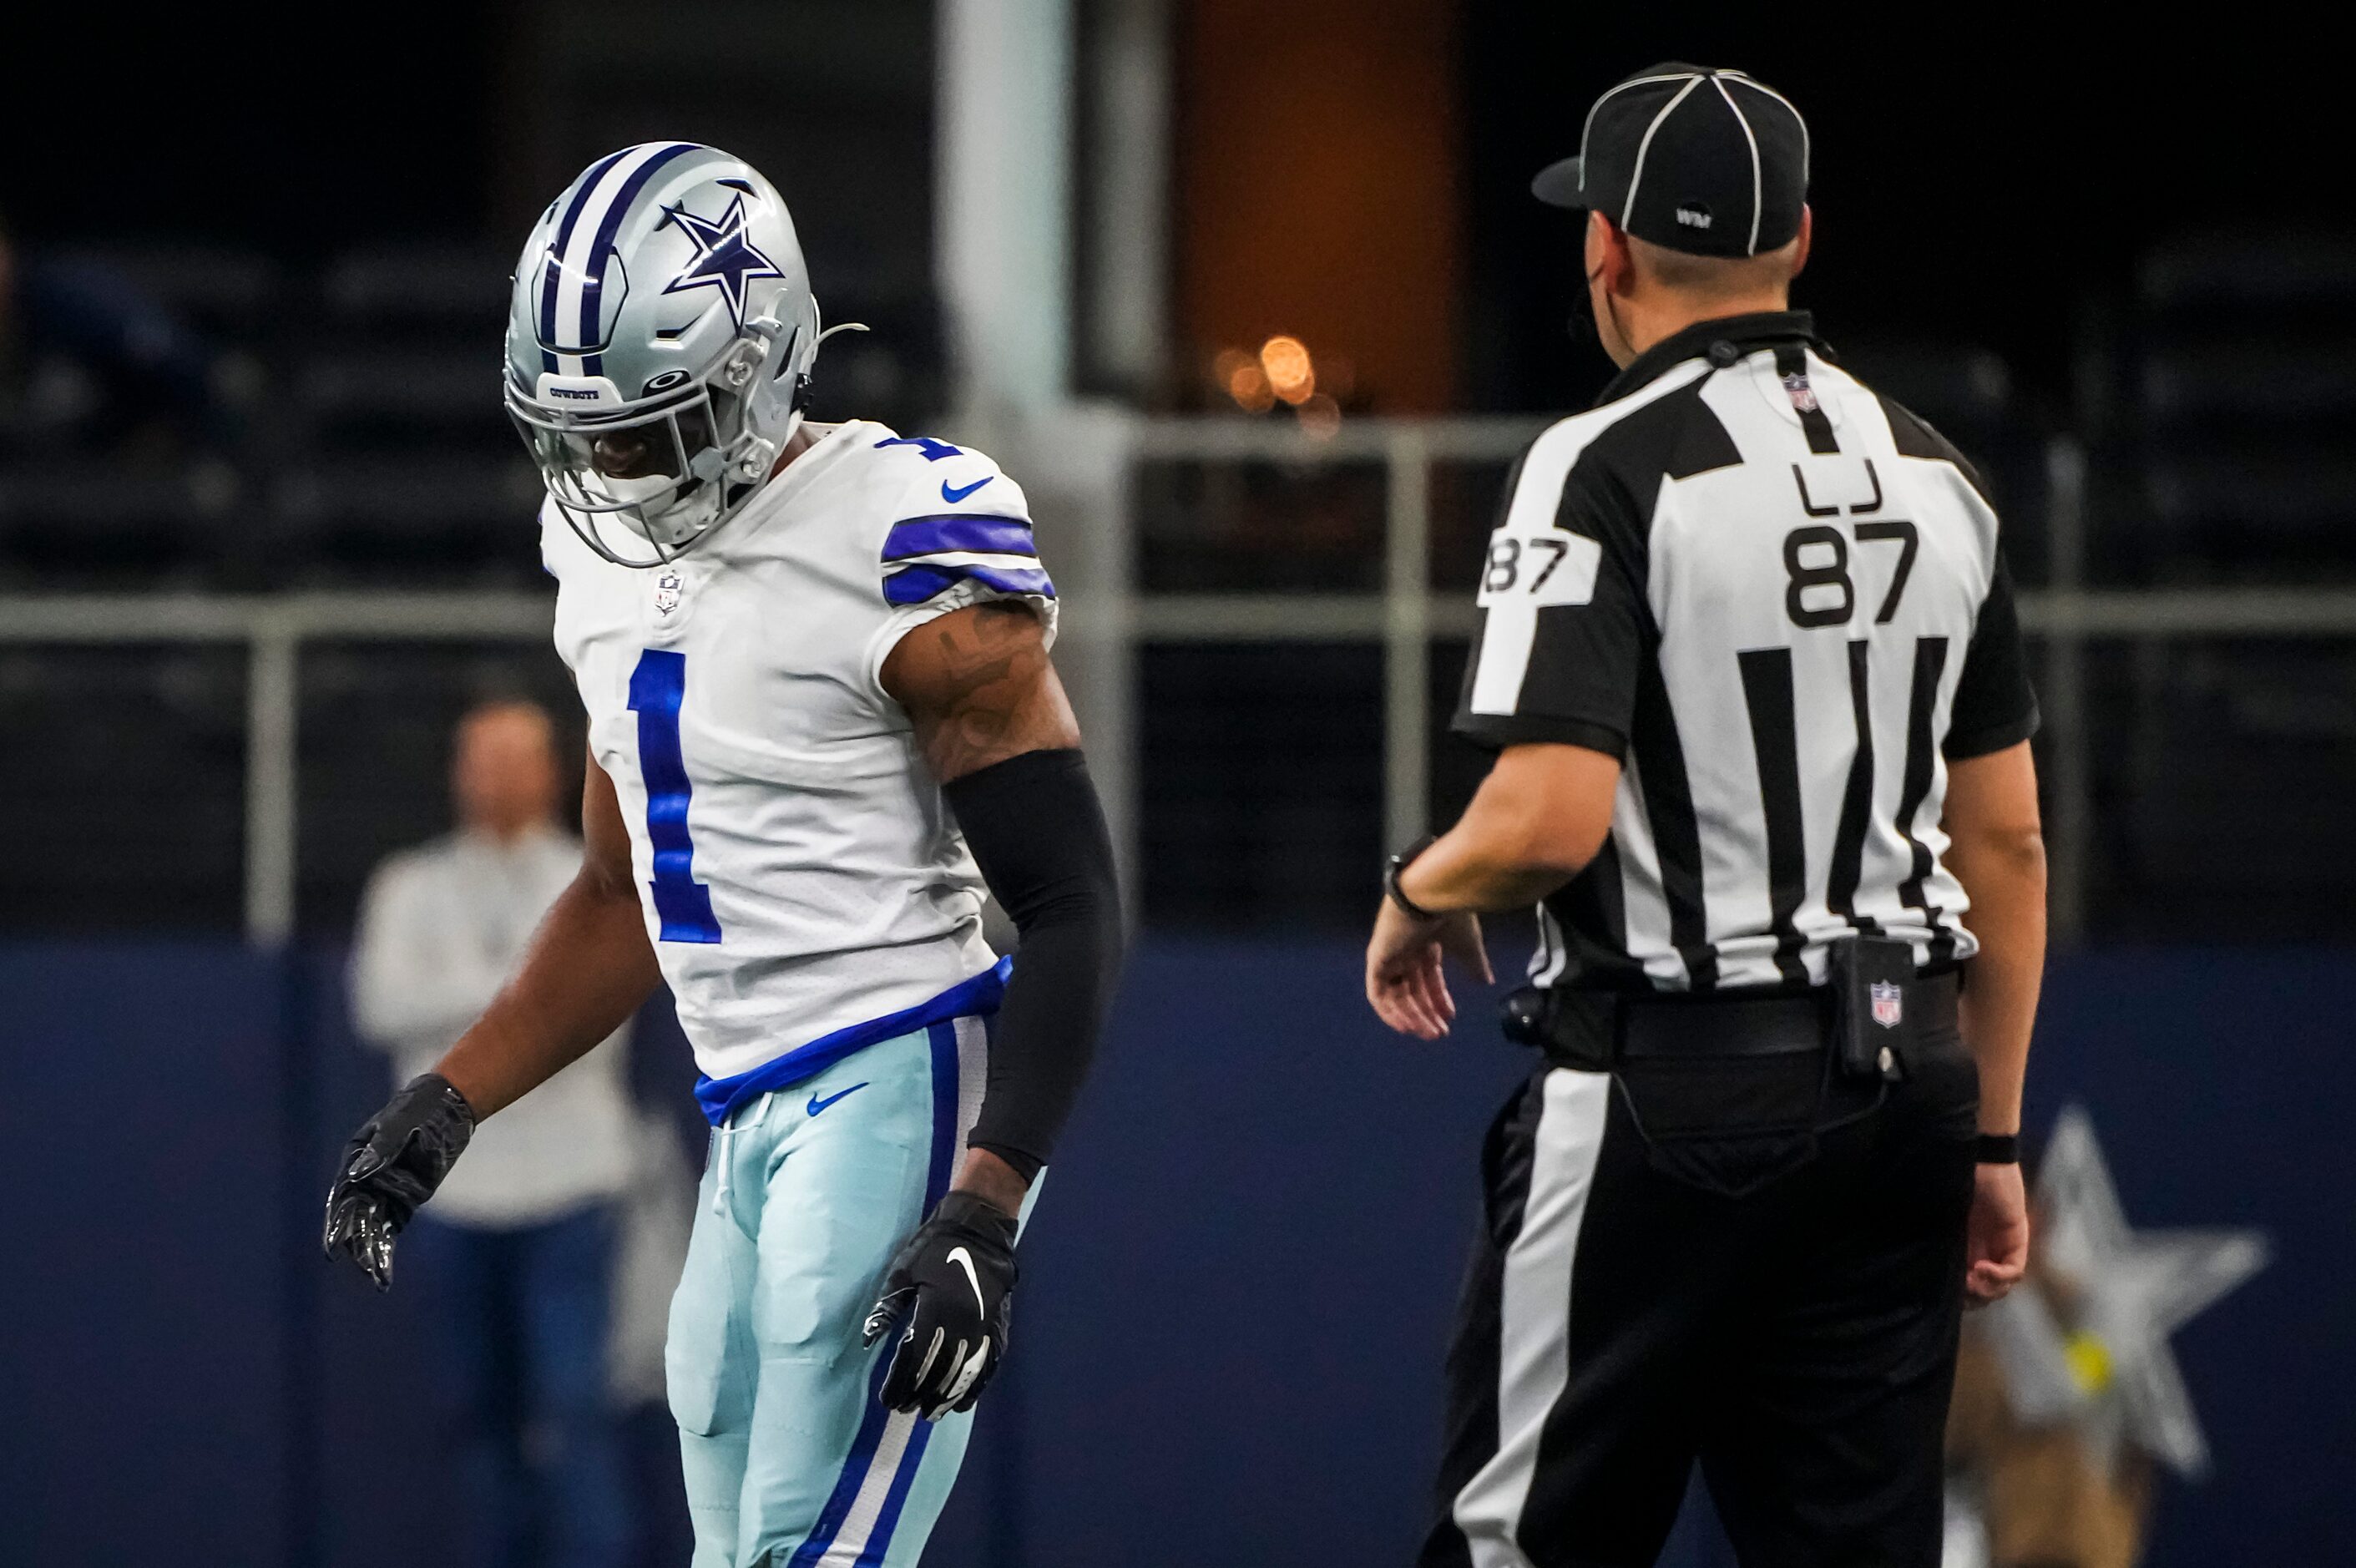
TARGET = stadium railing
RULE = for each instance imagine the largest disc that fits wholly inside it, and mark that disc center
(1404, 616)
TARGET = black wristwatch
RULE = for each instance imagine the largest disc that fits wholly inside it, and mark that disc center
(1400, 863)
(1998, 1149)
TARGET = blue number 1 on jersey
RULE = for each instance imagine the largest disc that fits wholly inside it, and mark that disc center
(683, 904)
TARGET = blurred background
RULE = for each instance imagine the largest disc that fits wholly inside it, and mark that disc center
(1254, 301)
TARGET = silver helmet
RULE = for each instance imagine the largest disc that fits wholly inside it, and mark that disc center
(659, 342)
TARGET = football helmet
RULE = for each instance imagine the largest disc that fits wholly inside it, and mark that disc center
(660, 336)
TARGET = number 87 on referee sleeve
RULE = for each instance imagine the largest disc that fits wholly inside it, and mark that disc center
(1539, 567)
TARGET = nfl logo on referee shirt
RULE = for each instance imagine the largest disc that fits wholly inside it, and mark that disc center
(668, 591)
(1803, 395)
(1889, 1003)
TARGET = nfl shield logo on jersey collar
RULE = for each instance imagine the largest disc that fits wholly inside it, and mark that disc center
(1888, 1003)
(669, 591)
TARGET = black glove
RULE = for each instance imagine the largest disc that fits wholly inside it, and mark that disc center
(393, 1164)
(951, 1285)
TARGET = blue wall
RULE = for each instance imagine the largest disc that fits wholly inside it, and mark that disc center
(1235, 1295)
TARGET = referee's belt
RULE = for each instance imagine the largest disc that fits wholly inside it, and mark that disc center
(1596, 1030)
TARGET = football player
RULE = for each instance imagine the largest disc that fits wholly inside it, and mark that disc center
(821, 719)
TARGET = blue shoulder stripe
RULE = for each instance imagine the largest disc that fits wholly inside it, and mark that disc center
(984, 535)
(914, 585)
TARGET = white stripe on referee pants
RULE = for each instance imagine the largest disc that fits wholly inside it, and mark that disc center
(1533, 1352)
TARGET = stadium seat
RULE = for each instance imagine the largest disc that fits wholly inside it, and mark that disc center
(460, 291)
(385, 397)
(83, 522)
(228, 294)
(2236, 413)
(392, 461)
(386, 519)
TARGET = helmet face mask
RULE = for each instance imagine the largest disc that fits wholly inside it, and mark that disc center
(669, 471)
(671, 269)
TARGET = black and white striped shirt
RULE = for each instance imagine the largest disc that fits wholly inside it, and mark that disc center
(1778, 598)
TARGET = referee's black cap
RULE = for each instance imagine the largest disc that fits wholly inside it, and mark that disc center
(1700, 160)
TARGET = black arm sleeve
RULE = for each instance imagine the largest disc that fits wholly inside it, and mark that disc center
(1039, 836)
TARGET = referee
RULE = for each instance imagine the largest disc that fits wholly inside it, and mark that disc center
(1749, 662)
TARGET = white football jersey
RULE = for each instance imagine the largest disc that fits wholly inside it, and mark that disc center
(799, 873)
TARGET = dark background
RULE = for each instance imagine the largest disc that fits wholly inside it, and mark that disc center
(1981, 175)
(2007, 207)
(1986, 176)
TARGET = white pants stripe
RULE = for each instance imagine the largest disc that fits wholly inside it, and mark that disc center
(866, 1531)
(1534, 1354)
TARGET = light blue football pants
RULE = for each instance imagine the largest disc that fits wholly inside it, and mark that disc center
(790, 1461)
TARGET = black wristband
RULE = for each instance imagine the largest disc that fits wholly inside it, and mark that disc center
(1400, 863)
(1998, 1149)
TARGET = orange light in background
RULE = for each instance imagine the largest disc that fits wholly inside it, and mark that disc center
(1321, 417)
(1239, 375)
(1289, 373)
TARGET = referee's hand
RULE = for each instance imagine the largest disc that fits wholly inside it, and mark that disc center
(1404, 979)
(1996, 1239)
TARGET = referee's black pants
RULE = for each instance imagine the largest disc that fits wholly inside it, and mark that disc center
(1752, 1263)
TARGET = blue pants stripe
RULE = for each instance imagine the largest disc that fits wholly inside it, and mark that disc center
(946, 1103)
(942, 1037)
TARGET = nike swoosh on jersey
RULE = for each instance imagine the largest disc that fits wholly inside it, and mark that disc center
(955, 496)
(964, 1260)
(817, 1105)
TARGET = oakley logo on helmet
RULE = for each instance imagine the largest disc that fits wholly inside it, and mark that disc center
(663, 382)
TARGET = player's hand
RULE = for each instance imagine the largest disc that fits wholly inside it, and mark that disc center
(949, 1287)
(392, 1164)
(1405, 983)
(1997, 1239)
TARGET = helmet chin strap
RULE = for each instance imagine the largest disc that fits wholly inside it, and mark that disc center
(637, 492)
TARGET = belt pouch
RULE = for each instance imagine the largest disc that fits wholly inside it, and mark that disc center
(1871, 978)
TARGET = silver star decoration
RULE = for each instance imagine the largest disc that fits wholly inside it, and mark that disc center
(2087, 1340)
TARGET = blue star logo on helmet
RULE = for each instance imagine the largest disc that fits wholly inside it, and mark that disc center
(725, 258)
